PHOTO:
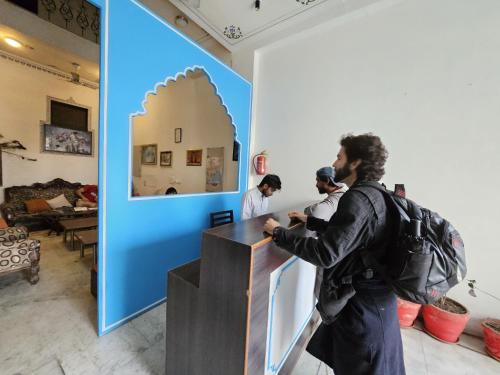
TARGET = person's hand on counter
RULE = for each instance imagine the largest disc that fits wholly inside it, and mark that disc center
(296, 215)
(270, 225)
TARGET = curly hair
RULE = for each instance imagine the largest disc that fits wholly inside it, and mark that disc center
(370, 150)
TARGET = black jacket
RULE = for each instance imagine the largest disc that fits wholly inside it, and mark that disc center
(362, 222)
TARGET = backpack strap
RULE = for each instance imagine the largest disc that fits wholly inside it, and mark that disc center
(395, 202)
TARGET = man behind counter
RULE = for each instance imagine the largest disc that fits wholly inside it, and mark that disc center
(256, 200)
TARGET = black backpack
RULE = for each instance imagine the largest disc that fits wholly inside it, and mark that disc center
(424, 258)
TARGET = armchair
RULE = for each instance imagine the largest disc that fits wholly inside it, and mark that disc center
(18, 253)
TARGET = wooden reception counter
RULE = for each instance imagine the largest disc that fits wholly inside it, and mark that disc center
(245, 307)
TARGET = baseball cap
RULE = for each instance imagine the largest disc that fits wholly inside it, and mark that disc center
(328, 172)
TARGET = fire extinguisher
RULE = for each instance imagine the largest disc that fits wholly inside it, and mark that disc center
(259, 163)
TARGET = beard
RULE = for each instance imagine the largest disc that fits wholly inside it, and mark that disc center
(342, 173)
(321, 190)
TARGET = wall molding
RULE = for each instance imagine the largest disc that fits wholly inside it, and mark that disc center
(45, 68)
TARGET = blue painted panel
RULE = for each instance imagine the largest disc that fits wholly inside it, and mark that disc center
(141, 239)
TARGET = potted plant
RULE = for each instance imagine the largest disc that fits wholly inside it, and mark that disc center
(491, 330)
(445, 319)
(407, 312)
(491, 327)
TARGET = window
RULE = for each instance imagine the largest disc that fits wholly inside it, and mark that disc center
(68, 116)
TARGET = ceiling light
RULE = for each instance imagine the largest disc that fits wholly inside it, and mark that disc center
(13, 43)
(181, 21)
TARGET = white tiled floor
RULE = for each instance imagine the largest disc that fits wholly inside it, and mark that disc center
(427, 356)
(49, 328)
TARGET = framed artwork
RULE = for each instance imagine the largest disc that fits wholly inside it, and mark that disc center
(148, 154)
(166, 158)
(236, 151)
(215, 169)
(193, 157)
(178, 135)
(68, 141)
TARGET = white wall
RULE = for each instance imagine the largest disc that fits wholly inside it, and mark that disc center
(422, 74)
(190, 104)
(23, 104)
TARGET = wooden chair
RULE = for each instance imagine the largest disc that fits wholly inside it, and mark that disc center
(221, 218)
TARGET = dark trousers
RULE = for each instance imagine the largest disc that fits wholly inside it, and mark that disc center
(365, 339)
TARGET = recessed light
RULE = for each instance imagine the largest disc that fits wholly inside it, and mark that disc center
(13, 43)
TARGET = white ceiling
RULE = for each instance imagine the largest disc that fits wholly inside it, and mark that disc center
(232, 23)
(237, 23)
(54, 47)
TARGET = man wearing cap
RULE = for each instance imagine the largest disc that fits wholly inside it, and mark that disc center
(326, 185)
(324, 210)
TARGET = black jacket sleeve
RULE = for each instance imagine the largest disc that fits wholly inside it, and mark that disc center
(316, 224)
(347, 231)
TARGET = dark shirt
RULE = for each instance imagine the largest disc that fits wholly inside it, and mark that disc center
(361, 222)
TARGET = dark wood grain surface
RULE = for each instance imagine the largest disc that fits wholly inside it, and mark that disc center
(182, 320)
(250, 232)
(86, 222)
(217, 308)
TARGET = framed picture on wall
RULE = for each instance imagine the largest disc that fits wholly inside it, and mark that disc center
(193, 157)
(215, 169)
(236, 151)
(166, 158)
(67, 141)
(148, 154)
(178, 135)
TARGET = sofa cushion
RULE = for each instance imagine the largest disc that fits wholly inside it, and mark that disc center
(59, 201)
(34, 206)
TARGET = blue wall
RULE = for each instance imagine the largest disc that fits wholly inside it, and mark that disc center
(141, 239)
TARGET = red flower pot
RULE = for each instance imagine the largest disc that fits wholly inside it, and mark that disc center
(407, 312)
(445, 325)
(492, 337)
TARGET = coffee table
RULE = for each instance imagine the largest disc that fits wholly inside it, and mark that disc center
(53, 217)
(73, 225)
(87, 238)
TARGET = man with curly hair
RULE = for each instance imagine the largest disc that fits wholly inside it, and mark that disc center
(359, 334)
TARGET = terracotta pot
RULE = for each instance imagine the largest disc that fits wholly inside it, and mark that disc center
(445, 325)
(492, 338)
(407, 312)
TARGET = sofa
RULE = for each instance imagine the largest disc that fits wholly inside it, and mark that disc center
(14, 210)
(18, 252)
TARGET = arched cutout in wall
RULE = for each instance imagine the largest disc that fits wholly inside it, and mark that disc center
(141, 239)
(185, 141)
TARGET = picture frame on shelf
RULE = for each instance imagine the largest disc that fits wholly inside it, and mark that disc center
(166, 158)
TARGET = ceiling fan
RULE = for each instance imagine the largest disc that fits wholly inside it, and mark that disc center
(75, 77)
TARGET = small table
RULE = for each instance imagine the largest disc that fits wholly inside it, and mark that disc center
(87, 238)
(73, 225)
(53, 217)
